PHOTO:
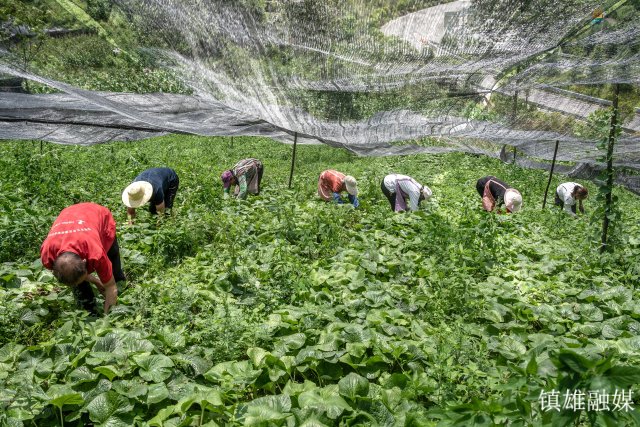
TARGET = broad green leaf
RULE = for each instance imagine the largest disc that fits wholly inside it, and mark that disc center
(590, 313)
(353, 385)
(157, 393)
(197, 364)
(154, 368)
(257, 355)
(109, 371)
(66, 399)
(511, 348)
(161, 416)
(10, 352)
(109, 409)
(264, 410)
(203, 398)
(326, 400)
(131, 388)
(82, 375)
(236, 372)
(629, 346)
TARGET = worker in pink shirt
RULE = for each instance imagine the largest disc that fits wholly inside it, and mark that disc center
(331, 183)
(82, 240)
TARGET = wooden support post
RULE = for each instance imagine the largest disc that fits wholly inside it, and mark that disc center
(553, 165)
(293, 158)
(609, 196)
(41, 147)
(231, 142)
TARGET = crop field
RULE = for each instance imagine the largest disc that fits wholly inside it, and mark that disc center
(283, 310)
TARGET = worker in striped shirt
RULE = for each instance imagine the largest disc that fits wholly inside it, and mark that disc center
(398, 188)
(495, 192)
(331, 183)
(569, 194)
(246, 176)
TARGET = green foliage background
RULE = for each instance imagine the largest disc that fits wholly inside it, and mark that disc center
(285, 310)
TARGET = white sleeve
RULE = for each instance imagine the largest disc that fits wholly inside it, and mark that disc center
(414, 194)
(568, 201)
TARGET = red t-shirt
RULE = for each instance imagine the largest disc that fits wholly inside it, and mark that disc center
(86, 229)
(330, 182)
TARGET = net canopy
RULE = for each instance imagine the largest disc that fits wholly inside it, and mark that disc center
(371, 76)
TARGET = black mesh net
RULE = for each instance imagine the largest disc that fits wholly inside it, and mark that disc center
(340, 73)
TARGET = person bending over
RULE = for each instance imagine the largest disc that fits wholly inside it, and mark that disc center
(246, 176)
(399, 189)
(495, 193)
(569, 194)
(82, 241)
(331, 183)
(158, 186)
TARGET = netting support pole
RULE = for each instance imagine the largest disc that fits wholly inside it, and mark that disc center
(293, 158)
(553, 165)
(609, 195)
(41, 147)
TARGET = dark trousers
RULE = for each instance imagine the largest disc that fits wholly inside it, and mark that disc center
(169, 196)
(480, 188)
(85, 297)
(560, 203)
(260, 172)
(391, 197)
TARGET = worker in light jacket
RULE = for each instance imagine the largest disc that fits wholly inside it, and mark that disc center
(403, 192)
(569, 194)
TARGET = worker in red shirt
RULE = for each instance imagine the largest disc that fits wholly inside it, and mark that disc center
(332, 183)
(82, 240)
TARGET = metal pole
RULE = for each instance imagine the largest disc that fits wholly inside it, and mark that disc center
(608, 197)
(293, 158)
(553, 165)
(515, 118)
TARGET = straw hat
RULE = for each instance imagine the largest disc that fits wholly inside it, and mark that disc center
(513, 200)
(351, 184)
(137, 194)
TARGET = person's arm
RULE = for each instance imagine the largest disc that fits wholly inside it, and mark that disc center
(226, 192)
(110, 294)
(131, 215)
(568, 204)
(337, 198)
(109, 290)
(414, 196)
(580, 206)
(242, 182)
(160, 208)
(354, 201)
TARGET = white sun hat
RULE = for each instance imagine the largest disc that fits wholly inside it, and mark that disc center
(137, 194)
(426, 192)
(351, 184)
(513, 200)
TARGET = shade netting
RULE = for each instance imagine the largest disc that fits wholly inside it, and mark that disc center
(302, 69)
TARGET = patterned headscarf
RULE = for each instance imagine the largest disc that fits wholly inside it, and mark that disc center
(226, 178)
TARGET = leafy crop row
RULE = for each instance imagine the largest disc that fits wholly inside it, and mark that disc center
(284, 310)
